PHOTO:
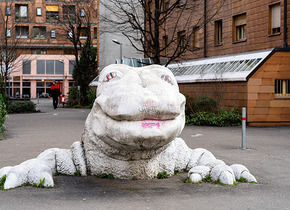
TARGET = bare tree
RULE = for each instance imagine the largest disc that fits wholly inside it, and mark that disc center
(161, 29)
(78, 23)
(7, 46)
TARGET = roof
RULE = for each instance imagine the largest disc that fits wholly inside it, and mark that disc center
(235, 67)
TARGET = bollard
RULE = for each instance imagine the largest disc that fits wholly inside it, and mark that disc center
(244, 128)
(37, 98)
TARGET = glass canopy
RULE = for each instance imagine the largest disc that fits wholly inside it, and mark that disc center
(225, 68)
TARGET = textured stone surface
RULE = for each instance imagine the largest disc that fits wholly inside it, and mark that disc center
(131, 133)
(79, 157)
(197, 173)
(242, 171)
(223, 173)
(137, 113)
(16, 177)
(64, 162)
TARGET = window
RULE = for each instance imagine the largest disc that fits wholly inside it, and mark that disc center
(40, 66)
(43, 52)
(8, 31)
(68, 52)
(52, 33)
(59, 66)
(38, 11)
(70, 34)
(83, 33)
(26, 66)
(218, 32)
(275, 19)
(21, 11)
(71, 66)
(282, 87)
(39, 32)
(82, 13)
(52, 13)
(239, 28)
(21, 31)
(26, 83)
(181, 41)
(95, 33)
(69, 12)
(49, 67)
(195, 38)
(164, 44)
(165, 5)
(8, 10)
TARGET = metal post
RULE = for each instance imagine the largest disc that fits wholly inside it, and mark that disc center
(37, 98)
(121, 54)
(243, 128)
(63, 81)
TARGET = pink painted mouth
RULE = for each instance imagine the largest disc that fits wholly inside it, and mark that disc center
(152, 123)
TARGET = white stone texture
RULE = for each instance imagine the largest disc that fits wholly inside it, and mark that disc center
(242, 171)
(16, 177)
(137, 114)
(197, 173)
(38, 172)
(131, 133)
(48, 156)
(64, 162)
(223, 173)
(5, 171)
(201, 157)
(78, 157)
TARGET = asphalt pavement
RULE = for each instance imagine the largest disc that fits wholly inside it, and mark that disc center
(267, 157)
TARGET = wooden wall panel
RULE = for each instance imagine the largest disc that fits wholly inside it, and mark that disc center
(263, 107)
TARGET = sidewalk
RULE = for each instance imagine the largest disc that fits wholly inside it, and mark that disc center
(268, 158)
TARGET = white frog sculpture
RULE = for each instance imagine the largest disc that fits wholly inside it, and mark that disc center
(132, 132)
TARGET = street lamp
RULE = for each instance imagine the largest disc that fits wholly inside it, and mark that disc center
(119, 43)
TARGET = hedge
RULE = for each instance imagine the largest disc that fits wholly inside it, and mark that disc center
(3, 114)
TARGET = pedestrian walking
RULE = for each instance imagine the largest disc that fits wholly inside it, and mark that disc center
(55, 92)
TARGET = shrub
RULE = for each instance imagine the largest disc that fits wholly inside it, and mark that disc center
(2, 181)
(21, 107)
(105, 176)
(91, 98)
(162, 175)
(189, 106)
(3, 113)
(73, 96)
(205, 104)
(224, 118)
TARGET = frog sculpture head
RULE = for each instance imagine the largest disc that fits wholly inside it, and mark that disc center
(137, 112)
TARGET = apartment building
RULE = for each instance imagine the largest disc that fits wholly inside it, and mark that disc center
(39, 33)
(238, 54)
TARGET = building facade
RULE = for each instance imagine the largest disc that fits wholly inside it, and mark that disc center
(39, 34)
(230, 32)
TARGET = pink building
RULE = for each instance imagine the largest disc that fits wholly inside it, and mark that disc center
(33, 74)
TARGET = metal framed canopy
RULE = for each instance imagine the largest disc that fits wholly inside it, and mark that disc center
(235, 67)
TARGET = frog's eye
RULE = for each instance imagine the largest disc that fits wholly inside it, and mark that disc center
(110, 76)
(166, 78)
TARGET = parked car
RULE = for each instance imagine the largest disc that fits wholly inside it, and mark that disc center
(25, 96)
(44, 95)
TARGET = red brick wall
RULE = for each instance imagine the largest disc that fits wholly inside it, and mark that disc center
(230, 94)
(257, 17)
